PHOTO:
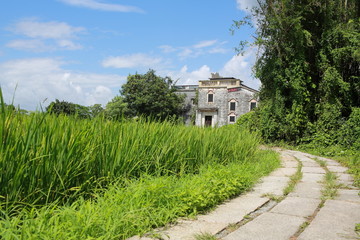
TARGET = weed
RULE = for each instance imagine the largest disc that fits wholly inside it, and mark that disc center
(294, 179)
(331, 186)
(304, 225)
(205, 236)
(322, 163)
(273, 197)
(233, 226)
(247, 216)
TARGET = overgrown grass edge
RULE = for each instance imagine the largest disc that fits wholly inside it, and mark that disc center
(141, 205)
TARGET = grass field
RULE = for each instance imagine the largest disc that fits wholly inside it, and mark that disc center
(66, 178)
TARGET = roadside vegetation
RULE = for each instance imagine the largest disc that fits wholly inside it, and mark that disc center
(310, 84)
(64, 177)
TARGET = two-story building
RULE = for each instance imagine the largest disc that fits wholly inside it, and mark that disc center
(219, 101)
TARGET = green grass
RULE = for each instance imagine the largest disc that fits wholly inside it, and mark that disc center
(205, 236)
(65, 178)
(45, 158)
(347, 157)
(138, 206)
(331, 186)
(294, 179)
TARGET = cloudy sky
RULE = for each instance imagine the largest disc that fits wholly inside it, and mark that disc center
(83, 50)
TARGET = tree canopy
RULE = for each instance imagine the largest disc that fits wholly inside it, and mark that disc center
(116, 108)
(309, 66)
(151, 95)
(67, 108)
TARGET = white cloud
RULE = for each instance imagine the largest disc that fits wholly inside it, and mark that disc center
(196, 50)
(204, 44)
(46, 30)
(69, 45)
(189, 77)
(247, 5)
(240, 66)
(93, 4)
(218, 50)
(34, 45)
(187, 52)
(45, 36)
(38, 79)
(132, 61)
(168, 49)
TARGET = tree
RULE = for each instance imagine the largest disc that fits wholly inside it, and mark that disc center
(309, 65)
(96, 110)
(68, 108)
(151, 95)
(116, 108)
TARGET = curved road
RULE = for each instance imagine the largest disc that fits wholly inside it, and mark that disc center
(266, 213)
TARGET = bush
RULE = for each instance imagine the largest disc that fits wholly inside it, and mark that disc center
(350, 131)
(248, 121)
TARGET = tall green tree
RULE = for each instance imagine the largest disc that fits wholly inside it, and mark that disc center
(309, 65)
(151, 95)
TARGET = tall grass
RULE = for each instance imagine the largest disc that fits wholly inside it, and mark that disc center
(44, 158)
(98, 179)
(141, 204)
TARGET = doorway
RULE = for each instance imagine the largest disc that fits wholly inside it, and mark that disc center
(208, 121)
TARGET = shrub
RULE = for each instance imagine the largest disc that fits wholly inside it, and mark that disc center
(350, 131)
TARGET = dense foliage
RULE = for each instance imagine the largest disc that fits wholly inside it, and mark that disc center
(68, 108)
(116, 109)
(151, 95)
(309, 67)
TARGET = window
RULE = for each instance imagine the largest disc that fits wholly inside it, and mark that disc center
(232, 119)
(210, 97)
(232, 106)
(252, 105)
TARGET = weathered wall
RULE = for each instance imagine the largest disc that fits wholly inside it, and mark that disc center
(188, 104)
(221, 101)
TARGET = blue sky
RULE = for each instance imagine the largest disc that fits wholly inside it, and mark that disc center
(83, 50)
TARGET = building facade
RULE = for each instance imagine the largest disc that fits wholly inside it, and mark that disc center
(219, 101)
(190, 92)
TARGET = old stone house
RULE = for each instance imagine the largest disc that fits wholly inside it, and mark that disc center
(218, 101)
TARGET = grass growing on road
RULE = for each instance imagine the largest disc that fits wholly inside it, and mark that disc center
(294, 179)
(205, 236)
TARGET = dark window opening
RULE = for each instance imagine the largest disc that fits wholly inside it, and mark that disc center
(232, 106)
(232, 119)
(210, 97)
(252, 105)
